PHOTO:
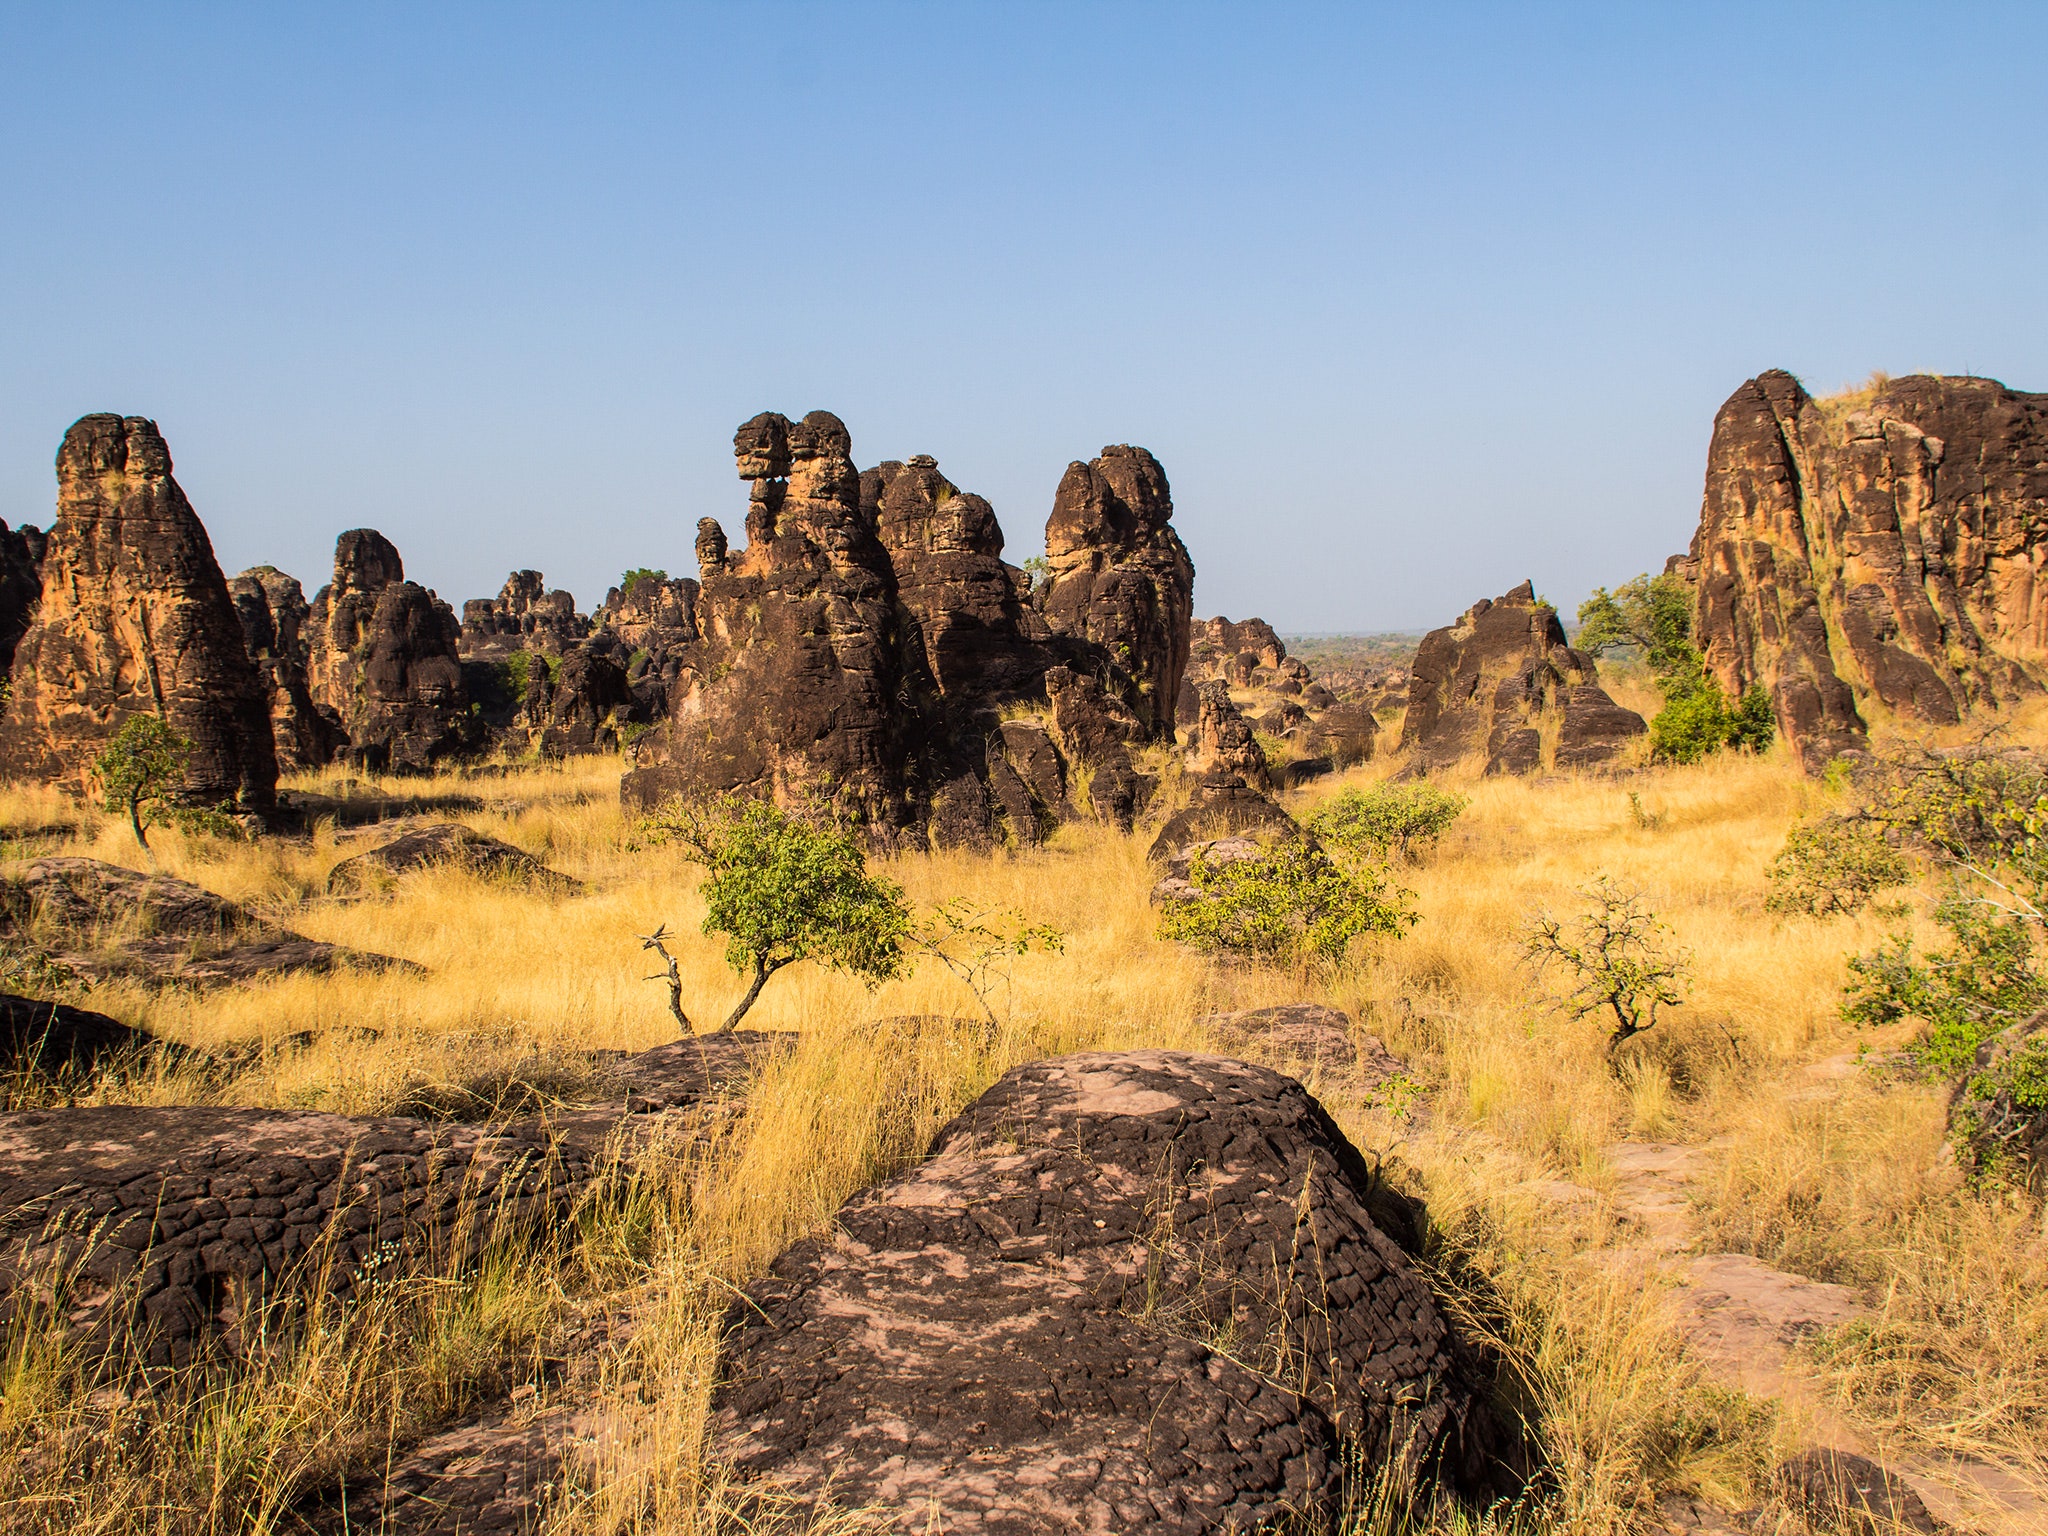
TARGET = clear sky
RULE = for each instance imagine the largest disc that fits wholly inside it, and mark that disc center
(1412, 301)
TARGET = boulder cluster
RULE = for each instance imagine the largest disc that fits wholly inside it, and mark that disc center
(1877, 550)
(871, 648)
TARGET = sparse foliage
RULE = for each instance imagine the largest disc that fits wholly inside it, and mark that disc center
(1292, 902)
(976, 943)
(1983, 982)
(1616, 959)
(638, 574)
(139, 768)
(1833, 864)
(1389, 821)
(784, 887)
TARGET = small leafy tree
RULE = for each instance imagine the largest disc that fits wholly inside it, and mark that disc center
(977, 943)
(1833, 864)
(785, 887)
(1615, 959)
(1291, 901)
(1653, 615)
(1982, 983)
(638, 574)
(1389, 820)
(139, 768)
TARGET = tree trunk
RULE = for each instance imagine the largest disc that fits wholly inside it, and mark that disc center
(761, 975)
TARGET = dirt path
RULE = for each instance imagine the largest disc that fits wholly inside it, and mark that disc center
(1745, 1320)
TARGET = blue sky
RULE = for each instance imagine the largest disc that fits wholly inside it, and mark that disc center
(1411, 301)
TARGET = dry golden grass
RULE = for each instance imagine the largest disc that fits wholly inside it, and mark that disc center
(1510, 1091)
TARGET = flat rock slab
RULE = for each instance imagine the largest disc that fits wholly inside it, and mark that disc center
(445, 844)
(1139, 1292)
(175, 1225)
(111, 923)
(1744, 1317)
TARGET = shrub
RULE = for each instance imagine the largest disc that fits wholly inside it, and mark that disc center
(638, 574)
(1292, 902)
(976, 944)
(784, 887)
(1983, 983)
(1615, 959)
(1389, 820)
(1836, 864)
(2000, 1118)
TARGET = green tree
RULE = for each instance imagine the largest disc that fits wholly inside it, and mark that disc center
(1289, 901)
(638, 574)
(139, 768)
(1653, 615)
(1388, 820)
(1833, 864)
(785, 887)
(1984, 982)
(1615, 959)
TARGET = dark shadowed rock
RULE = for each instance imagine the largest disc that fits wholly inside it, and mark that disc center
(273, 611)
(970, 612)
(589, 703)
(182, 1224)
(107, 922)
(51, 1037)
(1121, 580)
(134, 619)
(1346, 733)
(21, 586)
(1848, 1495)
(1487, 686)
(1232, 778)
(1090, 727)
(448, 843)
(1880, 546)
(1023, 1333)
(383, 662)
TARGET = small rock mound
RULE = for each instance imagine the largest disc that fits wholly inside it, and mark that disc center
(38, 1036)
(112, 922)
(447, 843)
(1307, 1037)
(1851, 1495)
(1138, 1292)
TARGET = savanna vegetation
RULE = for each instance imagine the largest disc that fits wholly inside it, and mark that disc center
(1563, 965)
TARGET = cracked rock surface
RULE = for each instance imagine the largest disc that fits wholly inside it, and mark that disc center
(1138, 1291)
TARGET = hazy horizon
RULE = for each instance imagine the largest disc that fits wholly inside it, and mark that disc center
(1412, 306)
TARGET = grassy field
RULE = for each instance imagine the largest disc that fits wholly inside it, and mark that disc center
(1509, 1093)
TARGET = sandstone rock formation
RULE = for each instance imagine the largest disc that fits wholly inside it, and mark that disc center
(1121, 579)
(1879, 547)
(383, 661)
(1218, 640)
(1232, 780)
(134, 618)
(1498, 682)
(273, 611)
(1838, 1491)
(867, 642)
(111, 923)
(524, 616)
(1009, 1338)
(971, 613)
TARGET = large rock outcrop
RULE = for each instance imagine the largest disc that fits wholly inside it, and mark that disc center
(134, 618)
(1027, 1332)
(1879, 547)
(866, 644)
(795, 690)
(383, 661)
(21, 585)
(273, 610)
(1120, 578)
(1501, 685)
